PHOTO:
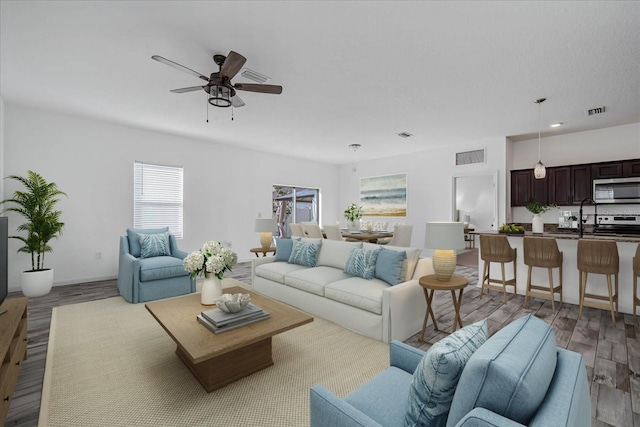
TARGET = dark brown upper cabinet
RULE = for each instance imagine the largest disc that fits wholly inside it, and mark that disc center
(525, 188)
(581, 183)
(559, 185)
(631, 168)
(606, 170)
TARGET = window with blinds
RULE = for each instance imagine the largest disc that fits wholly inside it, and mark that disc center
(157, 197)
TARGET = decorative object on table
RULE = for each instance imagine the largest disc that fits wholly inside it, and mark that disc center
(266, 226)
(537, 208)
(211, 261)
(384, 195)
(445, 237)
(232, 303)
(539, 171)
(353, 214)
(37, 205)
(218, 320)
(511, 229)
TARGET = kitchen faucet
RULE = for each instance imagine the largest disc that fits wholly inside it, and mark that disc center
(595, 215)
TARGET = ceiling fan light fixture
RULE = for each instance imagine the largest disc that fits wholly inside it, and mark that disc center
(220, 96)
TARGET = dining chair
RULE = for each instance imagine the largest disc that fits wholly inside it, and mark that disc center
(332, 232)
(401, 235)
(311, 229)
(380, 226)
(296, 230)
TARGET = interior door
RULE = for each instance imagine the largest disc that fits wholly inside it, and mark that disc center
(476, 196)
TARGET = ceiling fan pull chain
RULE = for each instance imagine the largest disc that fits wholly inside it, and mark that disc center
(232, 113)
(207, 112)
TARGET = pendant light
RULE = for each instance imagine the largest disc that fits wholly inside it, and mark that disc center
(539, 172)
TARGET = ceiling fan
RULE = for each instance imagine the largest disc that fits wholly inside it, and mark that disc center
(222, 93)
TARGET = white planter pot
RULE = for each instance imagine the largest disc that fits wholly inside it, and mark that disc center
(36, 283)
(211, 290)
(354, 225)
(537, 224)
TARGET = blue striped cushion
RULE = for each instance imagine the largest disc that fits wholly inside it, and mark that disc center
(304, 253)
(152, 245)
(436, 377)
(362, 263)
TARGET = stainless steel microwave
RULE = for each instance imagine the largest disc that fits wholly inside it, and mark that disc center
(616, 190)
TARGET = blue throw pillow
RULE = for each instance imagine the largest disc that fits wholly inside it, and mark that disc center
(389, 265)
(152, 245)
(362, 263)
(436, 377)
(283, 249)
(134, 240)
(304, 253)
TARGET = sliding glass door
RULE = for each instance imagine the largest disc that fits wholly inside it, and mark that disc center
(294, 204)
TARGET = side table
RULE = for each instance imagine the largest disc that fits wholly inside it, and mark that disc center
(430, 284)
(262, 251)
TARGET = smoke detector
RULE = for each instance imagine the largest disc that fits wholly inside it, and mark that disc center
(404, 135)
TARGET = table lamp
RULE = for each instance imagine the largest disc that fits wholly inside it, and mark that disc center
(445, 238)
(265, 226)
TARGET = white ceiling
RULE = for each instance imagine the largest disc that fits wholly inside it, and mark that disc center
(352, 72)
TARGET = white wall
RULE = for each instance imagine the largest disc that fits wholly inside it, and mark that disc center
(429, 182)
(600, 145)
(92, 161)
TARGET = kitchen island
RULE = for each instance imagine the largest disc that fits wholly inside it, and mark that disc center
(568, 245)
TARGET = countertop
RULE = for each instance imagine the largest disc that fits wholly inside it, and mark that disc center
(570, 235)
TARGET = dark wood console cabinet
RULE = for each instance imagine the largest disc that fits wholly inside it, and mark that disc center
(13, 348)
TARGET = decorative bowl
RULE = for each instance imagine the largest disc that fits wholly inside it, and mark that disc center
(232, 303)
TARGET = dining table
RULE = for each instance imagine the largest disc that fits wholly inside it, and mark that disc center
(367, 236)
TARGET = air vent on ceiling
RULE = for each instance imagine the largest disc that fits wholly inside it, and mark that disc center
(470, 157)
(254, 75)
(594, 111)
(404, 135)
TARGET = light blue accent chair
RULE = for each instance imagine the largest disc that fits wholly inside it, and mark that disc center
(518, 377)
(149, 279)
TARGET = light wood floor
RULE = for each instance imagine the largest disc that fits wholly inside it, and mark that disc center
(612, 353)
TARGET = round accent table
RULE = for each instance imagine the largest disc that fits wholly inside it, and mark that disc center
(262, 251)
(430, 284)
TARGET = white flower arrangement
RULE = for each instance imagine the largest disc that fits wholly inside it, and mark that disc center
(353, 212)
(212, 258)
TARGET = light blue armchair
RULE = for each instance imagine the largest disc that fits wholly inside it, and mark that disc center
(143, 279)
(517, 377)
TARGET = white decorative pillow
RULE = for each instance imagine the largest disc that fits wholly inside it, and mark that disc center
(334, 253)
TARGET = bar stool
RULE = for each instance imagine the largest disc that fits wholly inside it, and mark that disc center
(598, 257)
(542, 252)
(636, 274)
(497, 249)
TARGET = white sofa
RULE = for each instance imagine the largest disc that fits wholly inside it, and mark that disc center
(370, 307)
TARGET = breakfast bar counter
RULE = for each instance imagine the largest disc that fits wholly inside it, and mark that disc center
(568, 245)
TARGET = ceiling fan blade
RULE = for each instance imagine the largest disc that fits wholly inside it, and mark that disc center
(179, 67)
(187, 89)
(232, 64)
(237, 102)
(252, 87)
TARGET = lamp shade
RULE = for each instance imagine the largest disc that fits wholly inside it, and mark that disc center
(266, 224)
(444, 235)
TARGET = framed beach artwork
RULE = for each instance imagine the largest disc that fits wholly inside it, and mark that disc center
(384, 195)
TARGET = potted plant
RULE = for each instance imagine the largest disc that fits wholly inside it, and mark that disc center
(537, 208)
(353, 213)
(37, 205)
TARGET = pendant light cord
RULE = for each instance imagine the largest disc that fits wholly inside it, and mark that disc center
(539, 159)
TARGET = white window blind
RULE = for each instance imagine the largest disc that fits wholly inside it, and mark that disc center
(157, 197)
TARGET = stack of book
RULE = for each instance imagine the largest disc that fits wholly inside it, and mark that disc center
(218, 321)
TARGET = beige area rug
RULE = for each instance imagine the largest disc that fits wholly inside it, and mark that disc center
(110, 363)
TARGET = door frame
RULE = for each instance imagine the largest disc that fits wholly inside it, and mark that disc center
(493, 175)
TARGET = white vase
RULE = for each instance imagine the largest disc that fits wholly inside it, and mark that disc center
(537, 224)
(211, 290)
(36, 283)
(353, 225)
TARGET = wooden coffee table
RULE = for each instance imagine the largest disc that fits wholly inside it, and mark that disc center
(218, 360)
